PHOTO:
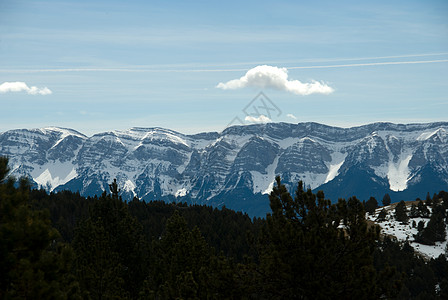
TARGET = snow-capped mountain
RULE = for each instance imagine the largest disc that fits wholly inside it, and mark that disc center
(236, 167)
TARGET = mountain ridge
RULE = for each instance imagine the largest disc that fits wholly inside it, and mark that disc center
(209, 167)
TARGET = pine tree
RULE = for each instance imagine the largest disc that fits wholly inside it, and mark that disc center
(371, 205)
(444, 289)
(99, 269)
(422, 210)
(382, 215)
(420, 226)
(386, 200)
(111, 249)
(33, 264)
(428, 200)
(181, 260)
(435, 230)
(401, 212)
(435, 200)
(306, 254)
(414, 212)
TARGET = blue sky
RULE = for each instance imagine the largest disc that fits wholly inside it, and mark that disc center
(119, 64)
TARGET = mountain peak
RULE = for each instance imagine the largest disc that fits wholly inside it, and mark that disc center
(214, 168)
(63, 131)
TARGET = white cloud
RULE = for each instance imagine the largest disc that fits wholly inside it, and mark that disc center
(259, 119)
(11, 87)
(291, 116)
(275, 78)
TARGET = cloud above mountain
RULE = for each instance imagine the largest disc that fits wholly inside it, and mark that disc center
(270, 77)
(18, 86)
(259, 119)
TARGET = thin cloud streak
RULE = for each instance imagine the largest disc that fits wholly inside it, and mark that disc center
(143, 70)
(373, 64)
(378, 57)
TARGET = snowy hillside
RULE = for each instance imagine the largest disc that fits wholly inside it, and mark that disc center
(407, 231)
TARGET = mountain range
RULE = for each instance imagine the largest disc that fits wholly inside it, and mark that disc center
(236, 167)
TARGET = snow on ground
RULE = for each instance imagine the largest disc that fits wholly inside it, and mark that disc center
(406, 232)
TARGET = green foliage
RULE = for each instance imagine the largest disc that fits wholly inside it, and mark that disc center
(99, 269)
(419, 210)
(413, 213)
(428, 200)
(184, 266)
(413, 277)
(4, 169)
(382, 216)
(386, 200)
(33, 264)
(371, 205)
(401, 214)
(111, 250)
(67, 210)
(307, 248)
(305, 253)
(422, 210)
(435, 230)
(225, 230)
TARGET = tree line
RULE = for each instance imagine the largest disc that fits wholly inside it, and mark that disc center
(65, 246)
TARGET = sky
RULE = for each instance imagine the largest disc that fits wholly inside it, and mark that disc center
(195, 66)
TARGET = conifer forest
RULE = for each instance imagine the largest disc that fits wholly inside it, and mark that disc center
(65, 246)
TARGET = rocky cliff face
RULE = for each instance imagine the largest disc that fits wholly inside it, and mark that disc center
(236, 167)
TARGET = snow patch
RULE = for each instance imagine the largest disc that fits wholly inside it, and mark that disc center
(181, 192)
(336, 162)
(54, 176)
(129, 186)
(182, 167)
(260, 182)
(310, 180)
(427, 135)
(398, 174)
(371, 142)
(269, 189)
(64, 132)
(153, 134)
(263, 183)
(63, 136)
(333, 172)
(286, 143)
